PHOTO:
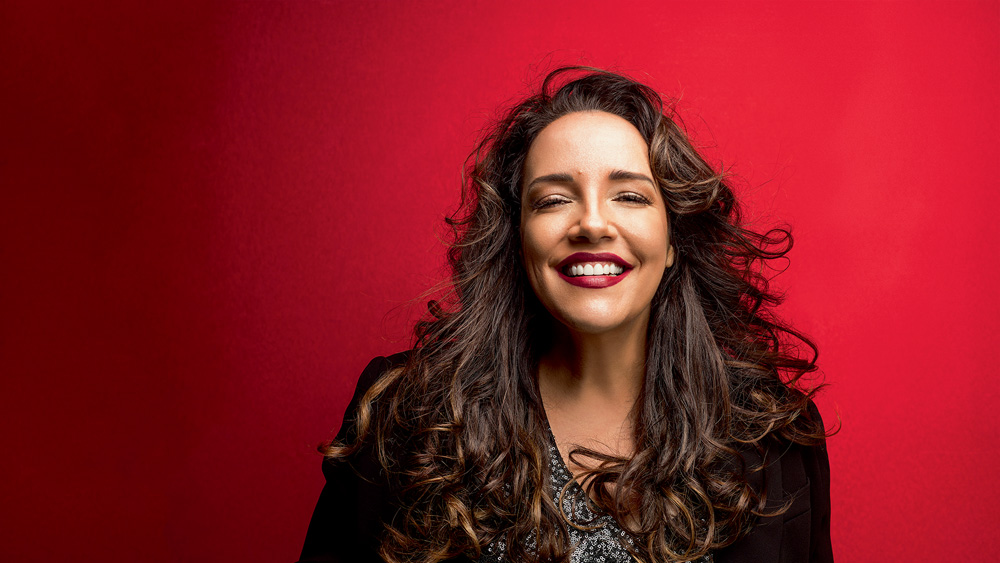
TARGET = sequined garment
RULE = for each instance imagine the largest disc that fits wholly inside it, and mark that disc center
(597, 538)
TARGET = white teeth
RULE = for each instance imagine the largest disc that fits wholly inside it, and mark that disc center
(596, 269)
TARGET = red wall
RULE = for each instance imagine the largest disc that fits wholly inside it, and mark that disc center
(214, 213)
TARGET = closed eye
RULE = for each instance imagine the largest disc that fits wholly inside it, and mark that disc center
(632, 197)
(549, 201)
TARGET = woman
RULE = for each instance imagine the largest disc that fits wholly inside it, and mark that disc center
(606, 382)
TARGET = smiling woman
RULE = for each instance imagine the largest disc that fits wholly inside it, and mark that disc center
(591, 191)
(606, 382)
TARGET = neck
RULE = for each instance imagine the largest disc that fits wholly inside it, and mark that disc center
(607, 367)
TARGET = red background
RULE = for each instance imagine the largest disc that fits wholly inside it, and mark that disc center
(214, 214)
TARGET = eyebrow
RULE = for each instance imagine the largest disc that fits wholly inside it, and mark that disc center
(626, 175)
(564, 178)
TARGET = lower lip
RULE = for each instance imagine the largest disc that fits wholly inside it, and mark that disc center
(594, 282)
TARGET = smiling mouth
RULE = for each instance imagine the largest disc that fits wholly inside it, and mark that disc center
(593, 269)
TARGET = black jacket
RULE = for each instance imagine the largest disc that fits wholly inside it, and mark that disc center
(351, 511)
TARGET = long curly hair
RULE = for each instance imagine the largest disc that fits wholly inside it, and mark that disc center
(460, 427)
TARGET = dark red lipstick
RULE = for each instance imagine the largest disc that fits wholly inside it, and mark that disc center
(593, 282)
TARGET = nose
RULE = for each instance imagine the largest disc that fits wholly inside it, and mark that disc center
(593, 224)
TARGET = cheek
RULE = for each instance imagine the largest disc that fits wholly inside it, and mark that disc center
(650, 238)
(663, 241)
(529, 253)
(537, 246)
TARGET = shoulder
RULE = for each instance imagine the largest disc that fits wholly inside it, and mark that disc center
(796, 481)
(376, 368)
(357, 499)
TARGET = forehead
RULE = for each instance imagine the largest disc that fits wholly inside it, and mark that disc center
(587, 142)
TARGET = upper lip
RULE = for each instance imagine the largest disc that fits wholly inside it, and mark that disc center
(578, 257)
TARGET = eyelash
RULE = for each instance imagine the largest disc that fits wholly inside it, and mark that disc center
(548, 202)
(633, 198)
(628, 197)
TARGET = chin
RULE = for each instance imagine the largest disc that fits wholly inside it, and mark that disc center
(591, 325)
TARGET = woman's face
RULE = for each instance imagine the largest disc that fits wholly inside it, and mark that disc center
(594, 228)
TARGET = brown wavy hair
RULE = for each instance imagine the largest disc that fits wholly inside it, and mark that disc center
(460, 427)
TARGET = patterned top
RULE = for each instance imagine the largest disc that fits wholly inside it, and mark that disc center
(596, 538)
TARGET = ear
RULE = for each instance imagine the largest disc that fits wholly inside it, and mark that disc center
(671, 254)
